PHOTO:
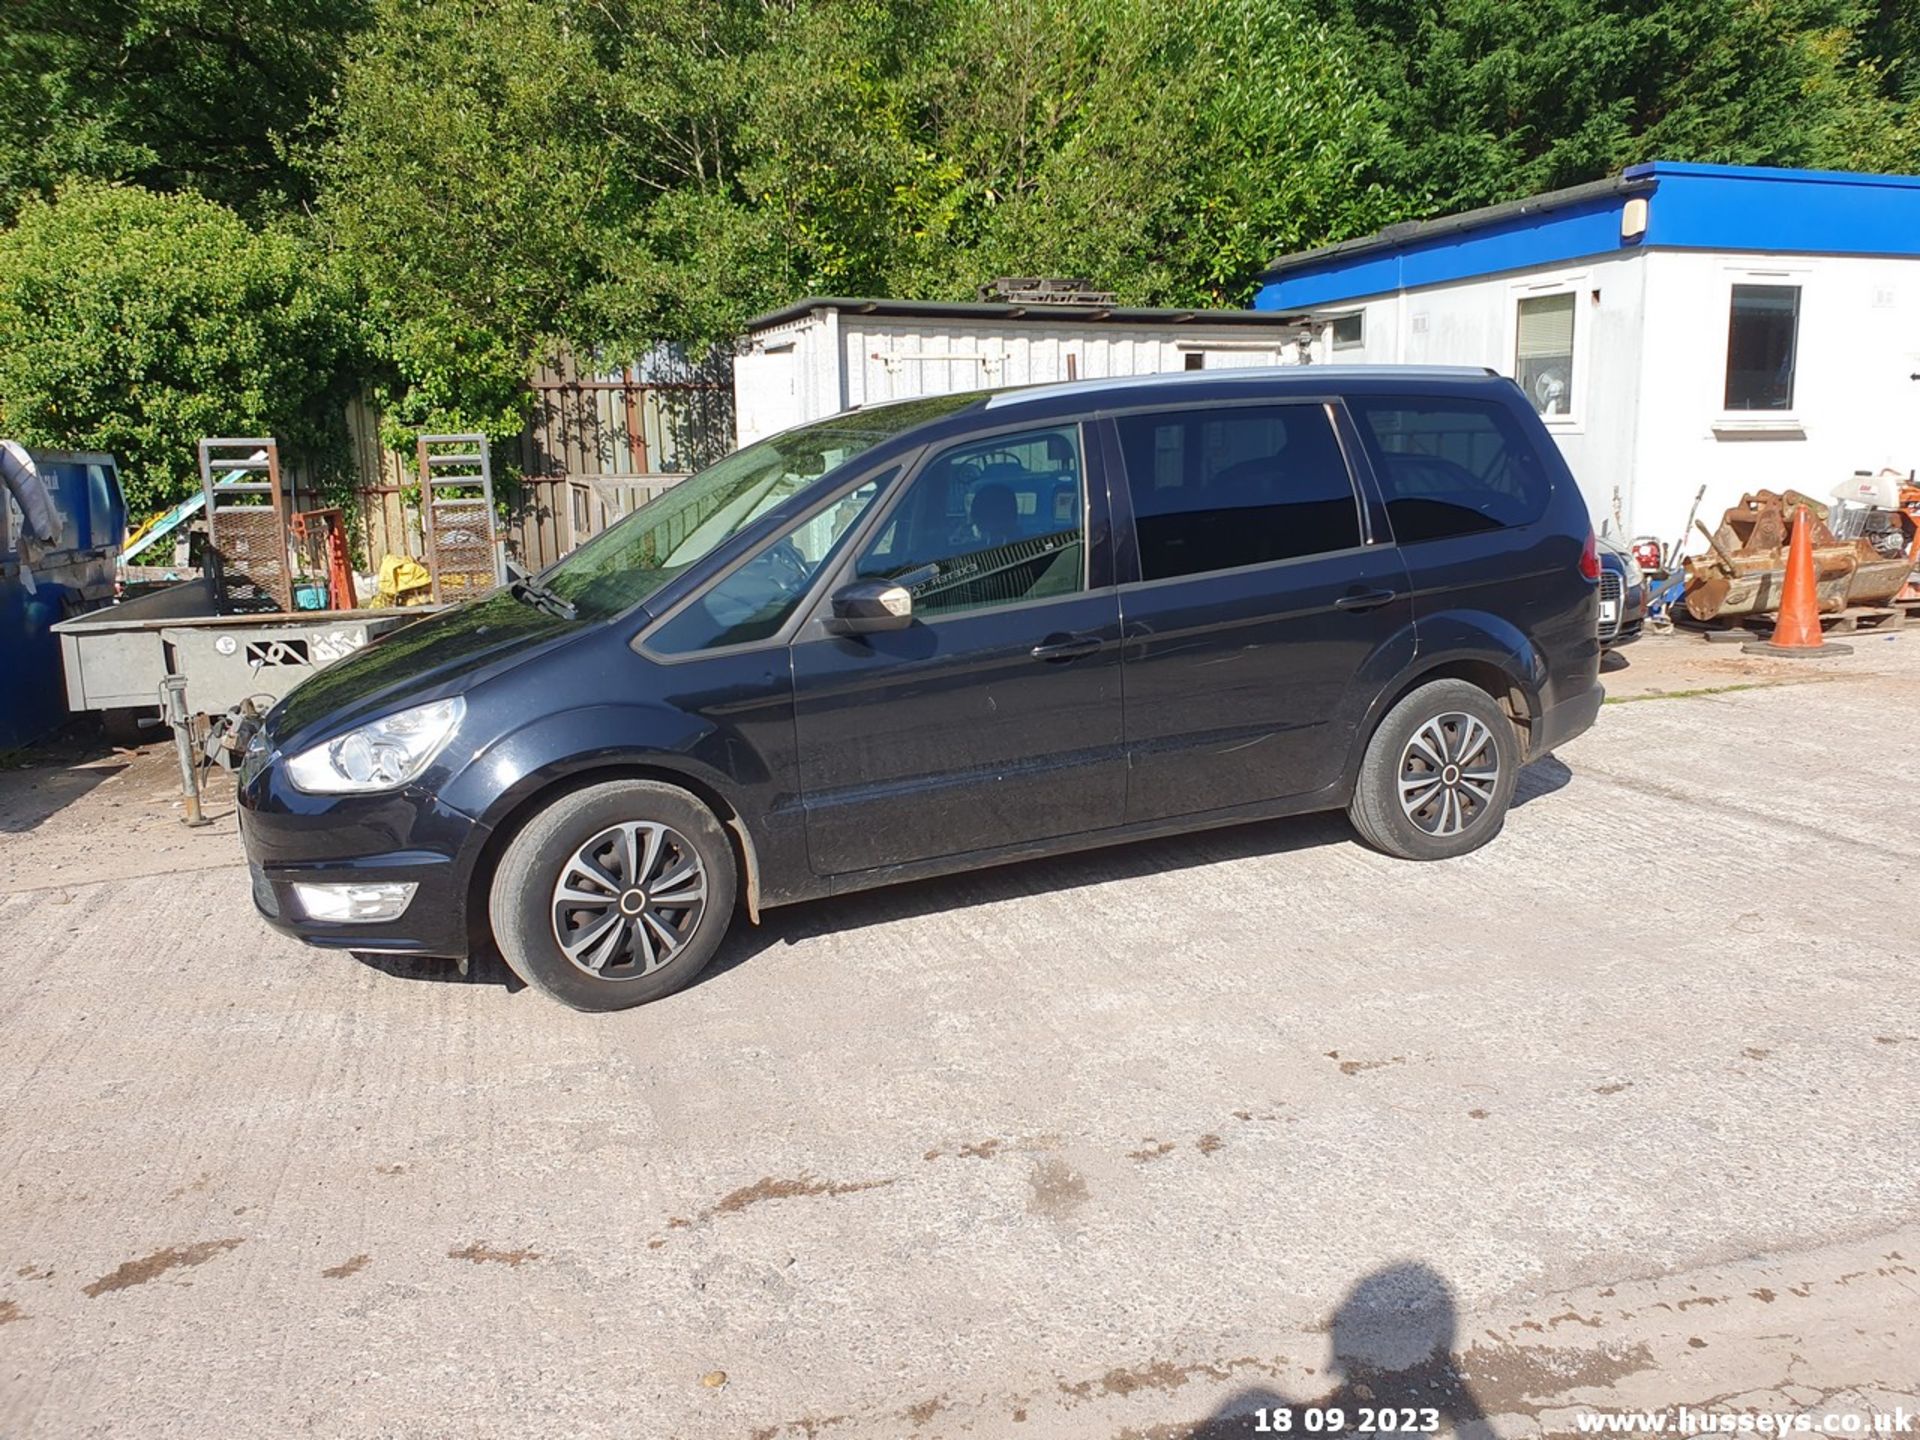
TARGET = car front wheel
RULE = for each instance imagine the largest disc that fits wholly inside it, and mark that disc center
(614, 895)
(1438, 775)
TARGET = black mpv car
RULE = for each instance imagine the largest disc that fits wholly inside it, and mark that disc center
(945, 633)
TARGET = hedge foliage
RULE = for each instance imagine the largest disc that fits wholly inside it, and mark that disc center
(138, 323)
(425, 197)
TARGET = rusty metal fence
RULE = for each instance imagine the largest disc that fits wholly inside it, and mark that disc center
(600, 443)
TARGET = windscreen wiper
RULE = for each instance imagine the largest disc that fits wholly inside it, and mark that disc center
(524, 587)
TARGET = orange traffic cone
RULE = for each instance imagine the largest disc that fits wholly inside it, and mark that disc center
(1796, 632)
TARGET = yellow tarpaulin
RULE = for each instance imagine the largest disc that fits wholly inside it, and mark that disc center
(403, 582)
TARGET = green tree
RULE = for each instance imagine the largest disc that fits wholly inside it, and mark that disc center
(1490, 101)
(206, 95)
(829, 151)
(140, 323)
(1161, 150)
(504, 176)
(1166, 151)
(1890, 42)
(491, 164)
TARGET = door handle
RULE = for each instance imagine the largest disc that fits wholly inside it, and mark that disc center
(1365, 599)
(1066, 647)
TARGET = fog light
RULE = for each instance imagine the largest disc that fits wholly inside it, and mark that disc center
(354, 904)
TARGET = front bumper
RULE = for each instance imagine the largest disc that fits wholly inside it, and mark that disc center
(408, 836)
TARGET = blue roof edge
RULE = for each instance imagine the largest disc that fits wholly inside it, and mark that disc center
(1737, 208)
(1666, 169)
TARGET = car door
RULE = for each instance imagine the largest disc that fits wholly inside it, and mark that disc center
(1466, 491)
(993, 718)
(1258, 611)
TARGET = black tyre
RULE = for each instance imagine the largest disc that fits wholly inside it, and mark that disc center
(1438, 774)
(614, 895)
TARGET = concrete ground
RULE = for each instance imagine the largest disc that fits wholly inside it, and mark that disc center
(1622, 1111)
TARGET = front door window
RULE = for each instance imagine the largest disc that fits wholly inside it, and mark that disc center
(755, 600)
(989, 523)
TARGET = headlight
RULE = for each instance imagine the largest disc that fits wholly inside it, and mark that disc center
(380, 755)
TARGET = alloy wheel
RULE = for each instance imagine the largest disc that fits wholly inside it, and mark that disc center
(628, 900)
(1449, 772)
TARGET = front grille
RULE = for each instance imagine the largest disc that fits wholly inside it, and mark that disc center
(1613, 586)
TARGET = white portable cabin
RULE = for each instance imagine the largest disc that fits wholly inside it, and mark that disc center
(1676, 326)
(821, 356)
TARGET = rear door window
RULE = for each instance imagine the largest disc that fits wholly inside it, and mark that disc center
(1222, 488)
(1451, 467)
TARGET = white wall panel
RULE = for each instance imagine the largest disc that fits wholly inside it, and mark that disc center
(1650, 372)
(1854, 405)
(844, 359)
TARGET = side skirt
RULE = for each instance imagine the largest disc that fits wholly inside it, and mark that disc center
(1332, 797)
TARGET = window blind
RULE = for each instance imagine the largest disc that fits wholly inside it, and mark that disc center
(1546, 326)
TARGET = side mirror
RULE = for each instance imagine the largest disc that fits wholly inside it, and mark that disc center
(867, 606)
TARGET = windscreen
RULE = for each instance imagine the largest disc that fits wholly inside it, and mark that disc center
(630, 560)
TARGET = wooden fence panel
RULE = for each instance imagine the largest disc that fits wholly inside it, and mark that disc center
(599, 445)
(385, 524)
(596, 446)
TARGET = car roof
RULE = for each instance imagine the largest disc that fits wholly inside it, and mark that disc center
(1279, 377)
(1049, 403)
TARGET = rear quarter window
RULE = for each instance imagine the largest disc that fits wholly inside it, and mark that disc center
(1451, 467)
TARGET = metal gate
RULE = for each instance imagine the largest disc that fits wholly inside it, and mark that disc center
(246, 524)
(457, 525)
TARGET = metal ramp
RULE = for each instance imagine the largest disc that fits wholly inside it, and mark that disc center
(457, 525)
(246, 524)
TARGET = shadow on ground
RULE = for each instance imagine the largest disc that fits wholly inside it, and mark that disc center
(792, 924)
(484, 967)
(40, 780)
(1393, 1348)
(32, 794)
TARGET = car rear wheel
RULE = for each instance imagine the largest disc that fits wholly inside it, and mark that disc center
(614, 895)
(1438, 775)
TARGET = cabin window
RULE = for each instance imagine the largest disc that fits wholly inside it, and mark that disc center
(1543, 352)
(1763, 335)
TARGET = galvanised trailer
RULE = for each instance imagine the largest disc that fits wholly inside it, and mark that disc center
(116, 658)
